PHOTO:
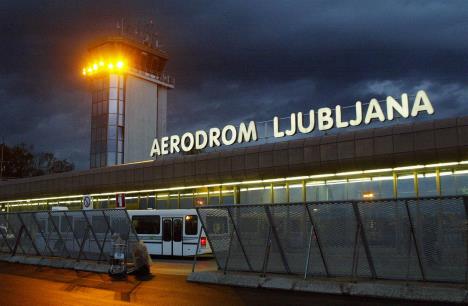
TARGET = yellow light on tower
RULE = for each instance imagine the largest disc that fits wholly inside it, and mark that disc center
(95, 66)
(120, 65)
(84, 71)
(101, 63)
(110, 66)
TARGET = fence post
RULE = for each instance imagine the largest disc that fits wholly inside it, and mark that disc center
(228, 253)
(364, 239)
(234, 226)
(196, 250)
(306, 269)
(6, 240)
(319, 243)
(105, 236)
(42, 234)
(29, 235)
(208, 237)
(410, 244)
(92, 230)
(266, 256)
(58, 233)
(416, 245)
(85, 237)
(278, 243)
(356, 252)
(18, 241)
(465, 203)
(131, 229)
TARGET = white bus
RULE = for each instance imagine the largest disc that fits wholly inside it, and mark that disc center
(170, 232)
(167, 232)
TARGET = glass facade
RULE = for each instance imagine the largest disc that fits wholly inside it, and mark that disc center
(107, 121)
(426, 182)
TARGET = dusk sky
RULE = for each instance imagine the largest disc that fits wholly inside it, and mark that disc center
(232, 60)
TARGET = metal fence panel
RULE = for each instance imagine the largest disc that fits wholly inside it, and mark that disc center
(218, 237)
(292, 225)
(388, 232)
(316, 264)
(406, 239)
(79, 235)
(440, 228)
(253, 231)
(337, 229)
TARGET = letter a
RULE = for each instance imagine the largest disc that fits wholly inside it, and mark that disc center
(374, 112)
(155, 148)
(421, 104)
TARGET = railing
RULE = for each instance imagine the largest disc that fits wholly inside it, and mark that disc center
(406, 239)
(78, 235)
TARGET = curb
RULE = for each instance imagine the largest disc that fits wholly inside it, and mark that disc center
(60, 263)
(428, 292)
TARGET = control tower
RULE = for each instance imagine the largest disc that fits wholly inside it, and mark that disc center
(129, 98)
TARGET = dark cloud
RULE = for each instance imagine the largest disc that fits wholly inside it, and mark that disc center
(232, 60)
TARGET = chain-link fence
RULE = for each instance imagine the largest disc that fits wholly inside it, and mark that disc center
(406, 239)
(78, 235)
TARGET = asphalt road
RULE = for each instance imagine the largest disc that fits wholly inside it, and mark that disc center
(24, 285)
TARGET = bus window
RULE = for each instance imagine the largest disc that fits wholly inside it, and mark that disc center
(65, 226)
(100, 224)
(216, 225)
(80, 225)
(191, 225)
(147, 224)
(177, 227)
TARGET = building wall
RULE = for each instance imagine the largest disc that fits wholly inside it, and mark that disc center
(400, 145)
(141, 114)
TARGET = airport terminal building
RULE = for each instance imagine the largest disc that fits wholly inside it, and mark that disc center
(418, 159)
(414, 158)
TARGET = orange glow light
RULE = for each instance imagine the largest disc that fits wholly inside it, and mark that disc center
(368, 195)
(101, 65)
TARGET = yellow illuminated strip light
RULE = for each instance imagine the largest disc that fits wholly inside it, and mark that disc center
(359, 180)
(441, 165)
(316, 183)
(335, 182)
(321, 175)
(295, 186)
(382, 178)
(77, 198)
(349, 173)
(408, 168)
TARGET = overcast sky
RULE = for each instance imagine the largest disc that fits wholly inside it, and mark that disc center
(232, 60)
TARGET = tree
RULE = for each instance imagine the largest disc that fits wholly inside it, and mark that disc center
(20, 161)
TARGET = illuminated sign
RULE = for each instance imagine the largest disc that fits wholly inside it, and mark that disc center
(323, 119)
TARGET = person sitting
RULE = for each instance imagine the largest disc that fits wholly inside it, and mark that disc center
(141, 259)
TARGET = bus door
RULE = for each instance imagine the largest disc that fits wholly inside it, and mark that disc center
(172, 236)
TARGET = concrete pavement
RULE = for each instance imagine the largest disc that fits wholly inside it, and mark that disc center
(32, 285)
